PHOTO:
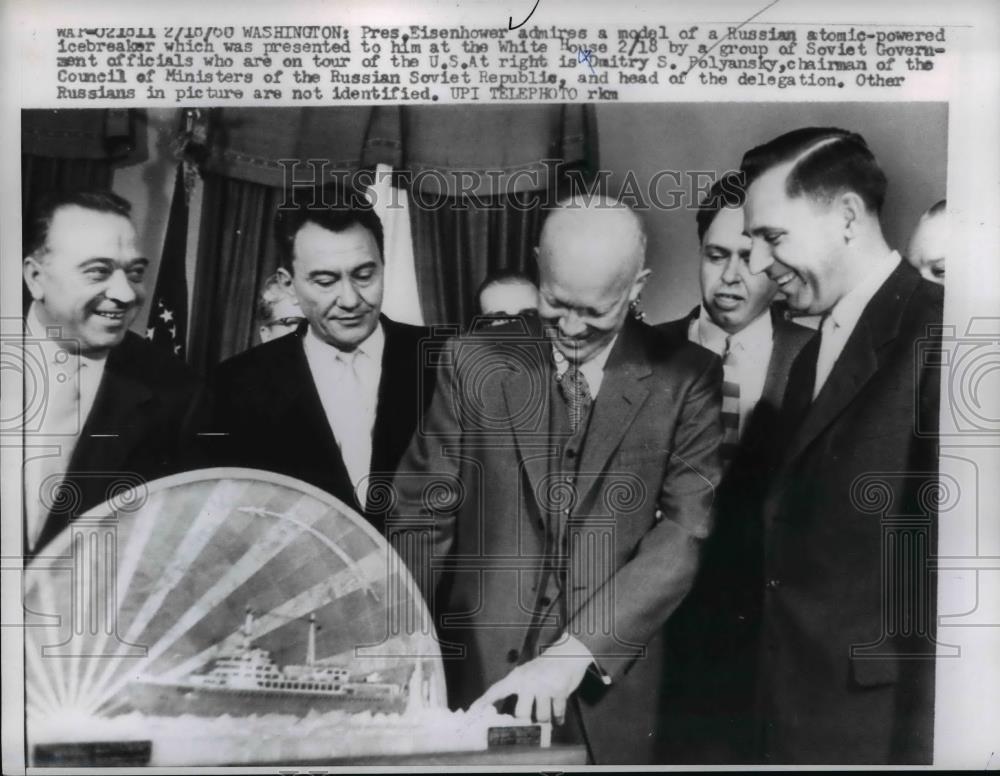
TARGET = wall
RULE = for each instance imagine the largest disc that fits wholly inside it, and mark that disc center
(908, 139)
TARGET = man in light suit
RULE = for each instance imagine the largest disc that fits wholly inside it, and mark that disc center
(847, 625)
(711, 664)
(117, 411)
(573, 469)
(336, 402)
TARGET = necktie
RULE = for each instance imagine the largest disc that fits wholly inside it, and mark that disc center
(47, 458)
(355, 444)
(576, 393)
(730, 402)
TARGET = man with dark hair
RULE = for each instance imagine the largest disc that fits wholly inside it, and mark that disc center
(336, 402)
(847, 646)
(116, 411)
(506, 294)
(278, 312)
(573, 467)
(712, 662)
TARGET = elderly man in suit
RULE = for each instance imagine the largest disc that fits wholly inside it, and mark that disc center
(336, 402)
(572, 462)
(711, 663)
(117, 410)
(847, 625)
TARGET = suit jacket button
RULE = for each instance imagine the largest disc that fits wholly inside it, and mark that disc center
(571, 453)
(513, 655)
(658, 514)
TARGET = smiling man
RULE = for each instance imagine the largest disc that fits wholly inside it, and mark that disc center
(587, 452)
(115, 408)
(848, 606)
(711, 665)
(336, 402)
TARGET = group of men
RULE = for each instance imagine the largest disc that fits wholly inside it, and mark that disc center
(649, 536)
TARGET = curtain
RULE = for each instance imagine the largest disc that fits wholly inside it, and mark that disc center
(460, 245)
(482, 178)
(237, 251)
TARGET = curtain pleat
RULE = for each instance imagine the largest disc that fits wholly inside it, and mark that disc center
(237, 251)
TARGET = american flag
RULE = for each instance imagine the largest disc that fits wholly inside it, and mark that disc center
(167, 325)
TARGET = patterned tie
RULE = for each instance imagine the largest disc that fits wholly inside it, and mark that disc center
(576, 393)
(730, 403)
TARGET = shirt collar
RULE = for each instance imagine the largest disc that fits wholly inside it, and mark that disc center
(51, 349)
(846, 312)
(713, 336)
(373, 347)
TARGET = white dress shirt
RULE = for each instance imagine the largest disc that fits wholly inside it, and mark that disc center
(751, 348)
(63, 393)
(844, 316)
(347, 383)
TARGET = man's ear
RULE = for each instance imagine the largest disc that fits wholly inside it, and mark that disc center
(32, 270)
(851, 208)
(639, 283)
(285, 278)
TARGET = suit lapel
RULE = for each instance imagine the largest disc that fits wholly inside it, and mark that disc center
(526, 394)
(398, 397)
(620, 398)
(114, 425)
(859, 361)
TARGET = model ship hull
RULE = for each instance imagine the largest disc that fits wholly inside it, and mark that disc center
(174, 700)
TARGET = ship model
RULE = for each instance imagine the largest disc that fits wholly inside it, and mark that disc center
(247, 681)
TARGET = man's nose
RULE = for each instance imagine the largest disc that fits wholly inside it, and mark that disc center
(760, 257)
(347, 295)
(730, 273)
(571, 324)
(119, 288)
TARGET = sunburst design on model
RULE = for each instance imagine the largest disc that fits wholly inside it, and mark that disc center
(164, 594)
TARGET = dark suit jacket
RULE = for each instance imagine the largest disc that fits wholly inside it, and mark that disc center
(636, 512)
(268, 405)
(847, 624)
(711, 638)
(142, 426)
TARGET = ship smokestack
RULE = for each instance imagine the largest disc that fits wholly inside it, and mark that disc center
(311, 642)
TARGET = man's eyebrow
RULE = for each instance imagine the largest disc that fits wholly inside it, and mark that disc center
(108, 260)
(759, 230)
(716, 247)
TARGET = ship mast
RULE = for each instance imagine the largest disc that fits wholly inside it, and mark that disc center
(247, 628)
(311, 642)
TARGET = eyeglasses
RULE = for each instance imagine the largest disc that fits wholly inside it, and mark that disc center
(293, 321)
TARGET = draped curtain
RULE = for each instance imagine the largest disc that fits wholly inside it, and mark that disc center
(237, 251)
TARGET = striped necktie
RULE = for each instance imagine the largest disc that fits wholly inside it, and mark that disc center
(730, 403)
(576, 392)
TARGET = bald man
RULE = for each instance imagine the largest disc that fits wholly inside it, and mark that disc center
(573, 470)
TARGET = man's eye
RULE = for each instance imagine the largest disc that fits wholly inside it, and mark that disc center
(716, 257)
(324, 282)
(97, 273)
(937, 272)
(364, 275)
(136, 274)
(772, 238)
